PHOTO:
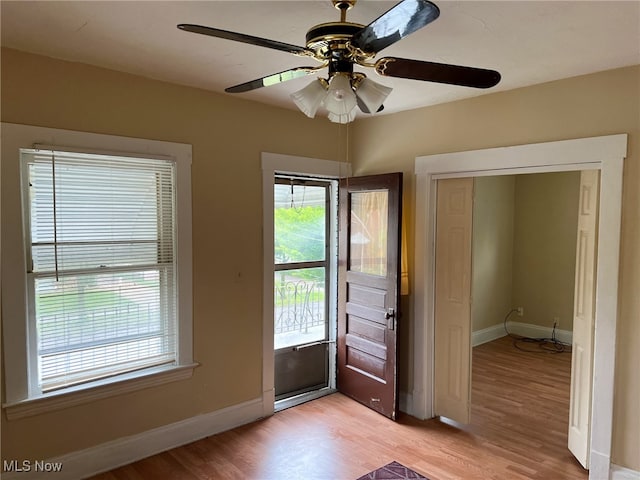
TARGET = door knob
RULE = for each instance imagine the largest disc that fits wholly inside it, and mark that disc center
(390, 316)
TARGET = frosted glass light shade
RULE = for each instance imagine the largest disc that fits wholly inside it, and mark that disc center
(343, 118)
(340, 99)
(310, 98)
(372, 94)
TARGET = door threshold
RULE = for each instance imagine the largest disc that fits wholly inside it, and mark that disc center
(302, 398)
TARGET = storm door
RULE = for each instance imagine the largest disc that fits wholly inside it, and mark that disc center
(302, 209)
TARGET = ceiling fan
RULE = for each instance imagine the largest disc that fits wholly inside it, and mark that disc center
(339, 46)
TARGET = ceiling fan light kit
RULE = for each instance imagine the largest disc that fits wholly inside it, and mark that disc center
(372, 94)
(309, 99)
(341, 98)
(341, 45)
(343, 118)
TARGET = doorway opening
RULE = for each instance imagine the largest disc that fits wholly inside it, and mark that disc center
(274, 165)
(359, 330)
(529, 241)
(605, 154)
(524, 243)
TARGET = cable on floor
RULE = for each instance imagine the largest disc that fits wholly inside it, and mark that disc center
(544, 345)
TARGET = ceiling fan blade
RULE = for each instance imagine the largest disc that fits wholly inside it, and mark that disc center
(437, 72)
(272, 79)
(241, 37)
(403, 19)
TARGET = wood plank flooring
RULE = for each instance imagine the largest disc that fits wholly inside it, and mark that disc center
(518, 431)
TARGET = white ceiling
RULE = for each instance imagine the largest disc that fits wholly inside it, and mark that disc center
(528, 42)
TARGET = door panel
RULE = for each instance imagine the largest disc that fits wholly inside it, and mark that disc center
(368, 293)
(301, 370)
(454, 212)
(583, 317)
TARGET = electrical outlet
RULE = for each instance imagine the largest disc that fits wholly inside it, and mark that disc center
(520, 311)
(556, 322)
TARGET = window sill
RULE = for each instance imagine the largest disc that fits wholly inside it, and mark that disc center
(77, 395)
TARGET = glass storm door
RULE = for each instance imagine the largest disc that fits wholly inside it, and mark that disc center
(301, 285)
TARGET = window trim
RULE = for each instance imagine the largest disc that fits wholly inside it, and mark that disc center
(18, 403)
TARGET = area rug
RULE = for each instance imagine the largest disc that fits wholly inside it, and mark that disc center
(393, 471)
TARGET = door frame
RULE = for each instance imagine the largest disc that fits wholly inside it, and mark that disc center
(272, 164)
(604, 153)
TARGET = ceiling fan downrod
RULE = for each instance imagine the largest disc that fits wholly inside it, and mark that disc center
(343, 6)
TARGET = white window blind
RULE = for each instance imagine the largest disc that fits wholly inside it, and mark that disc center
(100, 266)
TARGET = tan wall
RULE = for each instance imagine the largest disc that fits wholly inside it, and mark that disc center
(227, 135)
(492, 266)
(544, 259)
(592, 105)
(524, 244)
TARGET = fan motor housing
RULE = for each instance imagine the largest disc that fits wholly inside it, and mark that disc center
(328, 37)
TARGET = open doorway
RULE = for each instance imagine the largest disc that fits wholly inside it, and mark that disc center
(292, 167)
(523, 283)
(519, 240)
(605, 154)
(301, 283)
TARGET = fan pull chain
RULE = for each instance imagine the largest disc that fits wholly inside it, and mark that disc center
(346, 156)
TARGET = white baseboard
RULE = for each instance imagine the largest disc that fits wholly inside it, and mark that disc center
(488, 334)
(599, 466)
(623, 473)
(110, 455)
(523, 329)
(268, 402)
(536, 331)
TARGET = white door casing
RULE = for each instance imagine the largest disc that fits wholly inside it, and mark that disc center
(583, 317)
(454, 220)
(606, 154)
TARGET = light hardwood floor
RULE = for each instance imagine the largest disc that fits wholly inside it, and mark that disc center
(518, 431)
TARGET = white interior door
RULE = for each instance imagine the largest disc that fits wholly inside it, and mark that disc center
(583, 317)
(454, 216)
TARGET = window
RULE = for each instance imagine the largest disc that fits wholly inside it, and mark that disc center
(96, 267)
(100, 259)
